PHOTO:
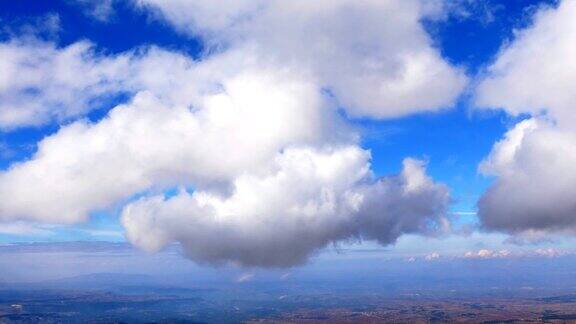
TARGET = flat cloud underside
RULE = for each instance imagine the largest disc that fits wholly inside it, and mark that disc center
(311, 200)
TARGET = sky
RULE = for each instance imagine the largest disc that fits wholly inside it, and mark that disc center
(263, 133)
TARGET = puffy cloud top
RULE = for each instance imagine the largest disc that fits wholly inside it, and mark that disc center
(535, 163)
(374, 56)
(278, 219)
(269, 170)
(536, 183)
(536, 73)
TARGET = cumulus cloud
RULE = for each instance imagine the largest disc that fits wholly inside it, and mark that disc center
(535, 163)
(536, 168)
(41, 83)
(267, 168)
(530, 237)
(275, 174)
(373, 56)
(487, 254)
(310, 199)
(536, 72)
(147, 144)
(550, 253)
(432, 256)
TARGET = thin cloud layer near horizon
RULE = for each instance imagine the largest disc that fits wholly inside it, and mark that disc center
(261, 133)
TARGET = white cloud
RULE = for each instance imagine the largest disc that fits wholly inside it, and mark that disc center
(257, 141)
(23, 228)
(550, 253)
(432, 256)
(43, 26)
(536, 72)
(285, 276)
(246, 277)
(270, 171)
(535, 163)
(104, 233)
(464, 213)
(538, 253)
(535, 167)
(487, 254)
(149, 145)
(199, 17)
(310, 199)
(40, 83)
(374, 56)
(504, 152)
(102, 10)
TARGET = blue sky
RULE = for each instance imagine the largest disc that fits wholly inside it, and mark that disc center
(452, 139)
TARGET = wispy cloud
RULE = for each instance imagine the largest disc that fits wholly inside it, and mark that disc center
(464, 213)
(24, 228)
(245, 277)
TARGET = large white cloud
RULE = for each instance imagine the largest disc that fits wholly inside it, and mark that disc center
(153, 142)
(311, 198)
(374, 56)
(535, 164)
(536, 73)
(273, 177)
(270, 170)
(536, 185)
(42, 83)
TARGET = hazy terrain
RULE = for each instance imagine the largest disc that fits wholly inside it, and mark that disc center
(371, 288)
